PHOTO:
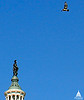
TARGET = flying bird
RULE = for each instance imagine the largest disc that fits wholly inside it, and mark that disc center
(65, 7)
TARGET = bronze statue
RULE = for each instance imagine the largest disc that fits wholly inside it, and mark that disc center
(15, 68)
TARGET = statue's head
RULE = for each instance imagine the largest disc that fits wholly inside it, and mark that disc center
(15, 61)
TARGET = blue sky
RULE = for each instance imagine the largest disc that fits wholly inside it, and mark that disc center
(48, 45)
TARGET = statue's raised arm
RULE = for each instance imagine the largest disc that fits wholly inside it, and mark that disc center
(15, 68)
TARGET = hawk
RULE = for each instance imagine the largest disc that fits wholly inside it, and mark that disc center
(65, 7)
